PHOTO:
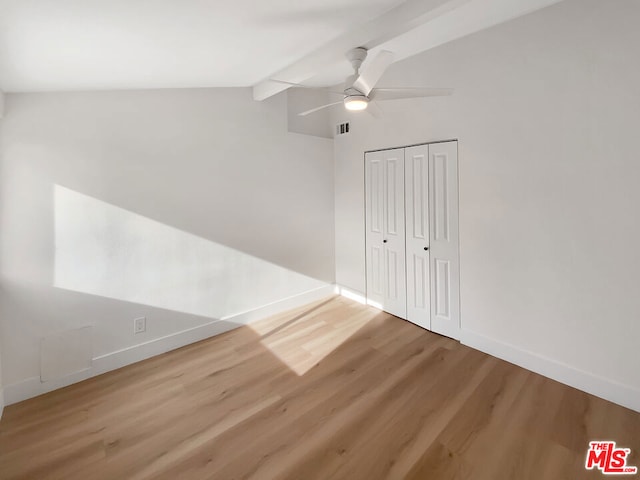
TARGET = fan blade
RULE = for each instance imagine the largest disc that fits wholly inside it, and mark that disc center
(399, 93)
(302, 114)
(372, 71)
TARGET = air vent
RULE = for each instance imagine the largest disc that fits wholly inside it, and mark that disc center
(342, 128)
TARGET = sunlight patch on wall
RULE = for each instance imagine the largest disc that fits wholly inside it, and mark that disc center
(104, 250)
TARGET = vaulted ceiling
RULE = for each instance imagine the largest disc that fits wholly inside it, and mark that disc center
(51, 45)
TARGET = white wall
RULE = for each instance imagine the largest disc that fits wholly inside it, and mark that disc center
(2, 402)
(1, 390)
(184, 206)
(546, 109)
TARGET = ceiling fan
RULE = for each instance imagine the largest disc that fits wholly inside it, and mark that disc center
(359, 88)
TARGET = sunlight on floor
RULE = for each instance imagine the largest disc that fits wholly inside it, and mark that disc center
(285, 335)
(351, 295)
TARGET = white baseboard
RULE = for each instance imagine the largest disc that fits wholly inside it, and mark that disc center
(354, 295)
(615, 392)
(624, 395)
(32, 387)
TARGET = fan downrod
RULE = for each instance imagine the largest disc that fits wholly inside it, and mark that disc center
(356, 56)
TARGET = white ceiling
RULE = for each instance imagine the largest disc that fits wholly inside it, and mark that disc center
(114, 44)
(50, 45)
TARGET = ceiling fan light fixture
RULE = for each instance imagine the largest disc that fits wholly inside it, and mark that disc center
(356, 102)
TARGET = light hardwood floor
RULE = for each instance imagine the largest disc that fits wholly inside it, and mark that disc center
(333, 390)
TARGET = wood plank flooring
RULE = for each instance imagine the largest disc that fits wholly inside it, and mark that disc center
(333, 390)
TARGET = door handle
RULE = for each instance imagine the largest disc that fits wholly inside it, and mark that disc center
(426, 248)
(384, 241)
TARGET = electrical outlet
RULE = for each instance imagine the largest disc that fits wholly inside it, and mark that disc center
(140, 325)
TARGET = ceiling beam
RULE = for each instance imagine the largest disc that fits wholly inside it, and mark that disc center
(469, 18)
(395, 22)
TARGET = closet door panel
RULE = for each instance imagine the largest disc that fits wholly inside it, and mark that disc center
(374, 206)
(417, 235)
(395, 301)
(444, 263)
(385, 231)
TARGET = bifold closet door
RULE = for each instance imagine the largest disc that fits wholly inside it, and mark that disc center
(385, 230)
(417, 231)
(443, 233)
